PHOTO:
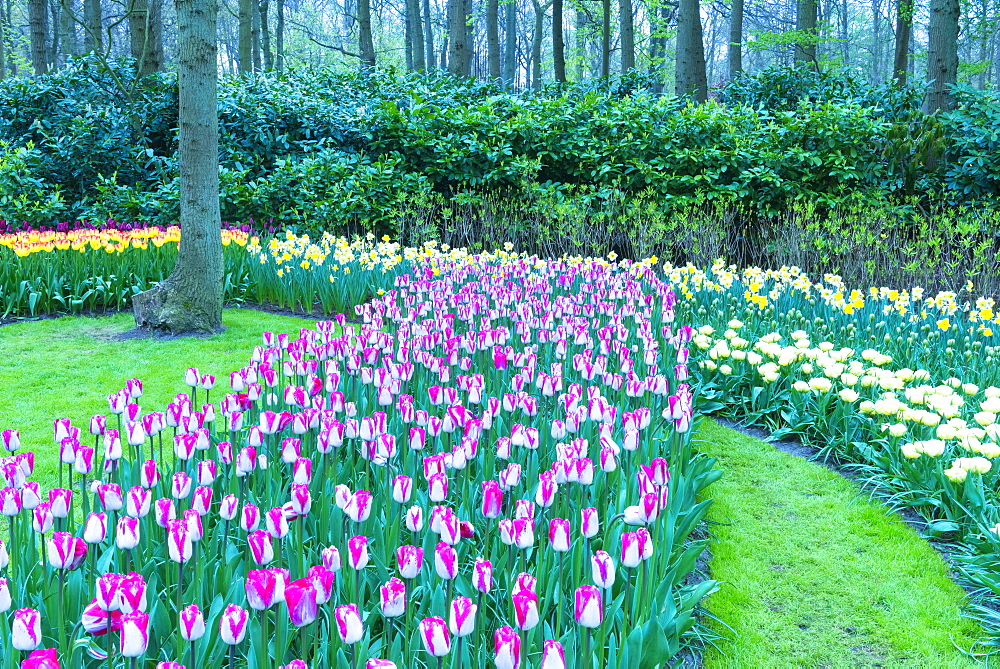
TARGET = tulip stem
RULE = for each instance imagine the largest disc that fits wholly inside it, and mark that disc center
(62, 612)
(194, 664)
(558, 597)
(588, 661)
(132, 663)
(180, 583)
(232, 656)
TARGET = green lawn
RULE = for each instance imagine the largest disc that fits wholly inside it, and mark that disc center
(815, 574)
(66, 368)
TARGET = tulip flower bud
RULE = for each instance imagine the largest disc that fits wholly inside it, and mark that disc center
(137, 502)
(66, 551)
(164, 511)
(233, 625)
(134, 634)
(26, 631)
(434, 632)
(261, 548)
(445, 561)
(462, 619)
(192, 623)
(180, 544)
(60, 500)
(589, 610)
(553, 656)
(359, 507)
(12, 439)
(357, 552)
(506, 648)
(631, 555)
(301, 598)
(5, 599)
(483, 575)
(402, 489)
(409, 559)
(526, 609)
(559, 534)
(414, 518)
(132, 593)
(392, 598)
(263, 588)
(331, 558)
(349, 624)
(379, 664)
(109, 591)
(127, 533)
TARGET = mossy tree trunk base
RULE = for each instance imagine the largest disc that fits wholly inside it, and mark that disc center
(168, 307)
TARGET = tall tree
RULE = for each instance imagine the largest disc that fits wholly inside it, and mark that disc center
(279, 35)
(67, 31)
(690, 77)
(93, 26)
(145, 36)
(255, 36)
(605, 38)
(493, 38)
(429, 34)
(942, 54)
(901, 53)
(459, 48)
(510, 42)
(736, 39)
(246, 35)
(805, 23)
(558, 44)
(265, 35)
(190, 299)
(627, 34)
(365, 42)
(536, 43)
(416, 34)
(38, 21)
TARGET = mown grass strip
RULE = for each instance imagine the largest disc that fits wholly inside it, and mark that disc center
(817, 575)
(66, 368)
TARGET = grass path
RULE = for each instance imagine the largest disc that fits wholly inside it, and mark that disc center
(816, 575)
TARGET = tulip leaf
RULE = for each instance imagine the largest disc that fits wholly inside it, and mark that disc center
(655, 648)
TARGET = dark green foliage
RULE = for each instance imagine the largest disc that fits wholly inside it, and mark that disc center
(315, 149)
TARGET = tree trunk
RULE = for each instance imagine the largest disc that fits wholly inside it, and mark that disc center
(93, 26)
(459, 55)
(510, 43)
(876, 40)
(407, 36)
(605, 38)
(265, 35)
(580, 36)
(3, 44)
(38, 14)
(350, 13)
(493, 38)
(942, 54)
(660, 20)
(805, 20)
(690, 76)
(246, 35)
(901, 53)
(429, 34)
(558, 46)
(67, 30)
(536, 44)
(279, 35)
(736, 40)
(416, 24)
(627, 35)
(255, 37)
(143, 36)
(55, 21)
(190, 299)
(470, 37)
(366, 44)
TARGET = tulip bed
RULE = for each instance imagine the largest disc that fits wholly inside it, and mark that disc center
(88, 270)
(504, 476)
